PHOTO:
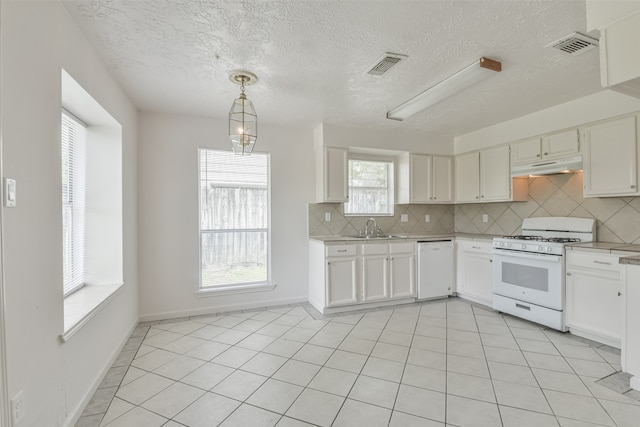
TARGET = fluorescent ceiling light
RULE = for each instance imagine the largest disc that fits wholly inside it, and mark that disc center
(479, 70)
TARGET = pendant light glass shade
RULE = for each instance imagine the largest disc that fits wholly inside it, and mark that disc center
(243, 125)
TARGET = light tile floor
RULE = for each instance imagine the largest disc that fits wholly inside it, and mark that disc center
(438, 363)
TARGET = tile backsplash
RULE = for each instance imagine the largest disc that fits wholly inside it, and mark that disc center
(617, 218)
(441, 220)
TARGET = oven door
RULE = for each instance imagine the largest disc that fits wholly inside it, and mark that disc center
(529, 277)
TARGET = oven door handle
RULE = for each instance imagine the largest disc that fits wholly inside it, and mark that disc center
(525, 255)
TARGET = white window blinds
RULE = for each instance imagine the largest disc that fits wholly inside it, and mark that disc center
(73, 202)
(234, 218)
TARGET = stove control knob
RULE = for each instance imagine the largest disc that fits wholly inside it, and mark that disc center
(523, 246)
(540, 248)
(508, 245)
(548, 248)
(501, 244)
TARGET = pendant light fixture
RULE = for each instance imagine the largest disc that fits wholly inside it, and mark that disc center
(243, 121)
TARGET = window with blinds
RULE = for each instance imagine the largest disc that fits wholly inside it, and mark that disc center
(73, 202)
(370, 188)
(234, 218)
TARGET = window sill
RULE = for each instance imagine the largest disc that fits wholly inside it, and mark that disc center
(82, 305)
(234, 289)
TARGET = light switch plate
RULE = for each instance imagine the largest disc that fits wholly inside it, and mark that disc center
(427, 218)
(404, 217)
(9, 193)
(327, 216)
(485, 218)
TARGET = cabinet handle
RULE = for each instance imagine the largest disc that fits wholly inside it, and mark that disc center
(342, 250)
(568, 274)
(435, 198)
(601, 262)
(546, 154)
(537, 155)
(476, 247)
(477, 197)
(619, 294)
(482, 197)
(633, 186)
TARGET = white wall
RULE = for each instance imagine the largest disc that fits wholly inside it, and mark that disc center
(602, 105)
(341, 136)
(168, 192)
(38, 41)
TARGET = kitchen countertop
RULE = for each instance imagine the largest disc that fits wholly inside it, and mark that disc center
(603, 247)
(403, 236)
(630, 260)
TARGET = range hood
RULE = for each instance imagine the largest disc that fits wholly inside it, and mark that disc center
(548, 167)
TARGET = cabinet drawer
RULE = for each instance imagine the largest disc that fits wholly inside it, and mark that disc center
(341, 250)
(401, 248)
(592, 261)
(373, 249)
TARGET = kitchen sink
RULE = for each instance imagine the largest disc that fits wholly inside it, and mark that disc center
(369, 237)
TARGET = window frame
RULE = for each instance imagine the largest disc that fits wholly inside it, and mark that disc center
(234, 288)
(390, 183)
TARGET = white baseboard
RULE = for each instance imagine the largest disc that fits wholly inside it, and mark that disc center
(219, 309)
(75, 414)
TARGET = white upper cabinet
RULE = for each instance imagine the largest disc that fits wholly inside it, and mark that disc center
(331, 175)
(552, 146)
(467, 177)
(620, 56)
(610, 158)
(561, 144)
(425, 179)
(442, 182)
(495, 175)
(527, 151)
(485, 176)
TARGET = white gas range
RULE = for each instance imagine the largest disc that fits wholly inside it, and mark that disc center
(529, 270)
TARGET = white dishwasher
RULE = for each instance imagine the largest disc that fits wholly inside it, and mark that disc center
(436, 273)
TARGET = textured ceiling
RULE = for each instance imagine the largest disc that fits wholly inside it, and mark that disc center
(311, 57)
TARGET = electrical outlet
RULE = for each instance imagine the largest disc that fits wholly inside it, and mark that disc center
(327, 216)
(427, 218)
(9, 193)
(485, 218)
(17, 408)
(404, 217)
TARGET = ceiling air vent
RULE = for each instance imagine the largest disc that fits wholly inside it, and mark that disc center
(574, 44)
(385, 63)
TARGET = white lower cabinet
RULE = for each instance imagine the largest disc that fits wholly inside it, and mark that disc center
(355, 273)
(373, 266)
(474, 271)
(594, 302)
(341, 281)
(402, 270)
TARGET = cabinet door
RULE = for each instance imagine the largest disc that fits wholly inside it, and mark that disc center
(335, 175)
(373, 278)
(495, 174)
(402, 275)
(560, 144)
(610, 158)
(341, 281)
(420, 178)
(475, 275)
(525, 151)
(594, 303)
(467, 173)
(442, 182)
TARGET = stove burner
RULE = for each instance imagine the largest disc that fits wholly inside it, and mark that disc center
(521, 237)
(561, 240)
(544, 239)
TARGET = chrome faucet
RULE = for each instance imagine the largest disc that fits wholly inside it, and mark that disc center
(366, 227)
